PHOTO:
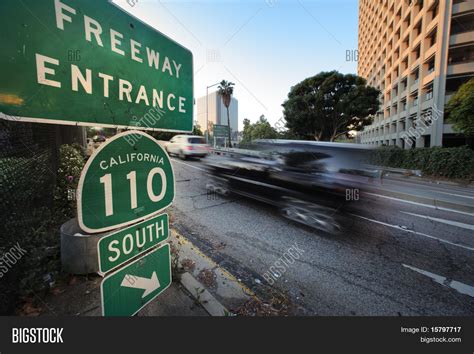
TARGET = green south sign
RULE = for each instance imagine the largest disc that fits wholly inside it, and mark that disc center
(120, 246)
(83, 62)
(132, 287)
(128, 179)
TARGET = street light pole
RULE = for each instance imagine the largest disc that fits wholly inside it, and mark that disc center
(207, 115)
(207, 111)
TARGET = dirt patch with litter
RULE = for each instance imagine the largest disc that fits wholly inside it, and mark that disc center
(208, 278)
(278, 305)
(188, 265)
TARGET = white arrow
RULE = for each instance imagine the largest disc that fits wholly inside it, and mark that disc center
(149, 285)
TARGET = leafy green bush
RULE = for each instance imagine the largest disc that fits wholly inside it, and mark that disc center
(456, 163)
(460, 109)
(71, 162)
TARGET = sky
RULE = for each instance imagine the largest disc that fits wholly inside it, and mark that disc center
(263, 46)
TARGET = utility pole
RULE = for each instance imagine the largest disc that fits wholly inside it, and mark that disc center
(207, 110)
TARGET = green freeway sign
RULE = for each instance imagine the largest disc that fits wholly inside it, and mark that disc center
(220, 130)
(132, 287)
(90, 63)
(123, 245)
(128, 179)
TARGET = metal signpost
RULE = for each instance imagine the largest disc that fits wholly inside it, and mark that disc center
(132, 287)
(127, 179)
(82, 62)
(121, 246)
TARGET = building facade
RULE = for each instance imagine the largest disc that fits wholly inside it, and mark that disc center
(217, 112)
(417, 53)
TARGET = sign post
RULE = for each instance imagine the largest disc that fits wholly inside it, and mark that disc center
(128, 180)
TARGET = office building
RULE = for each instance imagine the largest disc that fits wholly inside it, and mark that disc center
(417, 53)
(217, 112)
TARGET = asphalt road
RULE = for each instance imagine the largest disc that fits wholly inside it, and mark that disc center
(396, 258)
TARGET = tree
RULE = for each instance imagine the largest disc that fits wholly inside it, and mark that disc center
(259, 130)
(263, 130)
(197, 129)
(225, 90)
(329, 105)
(460, 109)
(247, 132)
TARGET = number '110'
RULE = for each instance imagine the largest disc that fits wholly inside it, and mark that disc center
(106, 180)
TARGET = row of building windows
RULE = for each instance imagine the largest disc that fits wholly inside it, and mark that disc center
(459, 24)
(403, 53)
(390, 58)
(367, 37)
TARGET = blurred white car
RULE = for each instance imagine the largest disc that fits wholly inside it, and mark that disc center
(93, 143)
(188, 146)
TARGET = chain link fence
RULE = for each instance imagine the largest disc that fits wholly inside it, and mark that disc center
(32, 190)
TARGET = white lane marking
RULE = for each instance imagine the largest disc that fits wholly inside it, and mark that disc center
(421, 204)
(444, 221)
(414, 232)
(453, 284)
(183, 163)
(456, 195)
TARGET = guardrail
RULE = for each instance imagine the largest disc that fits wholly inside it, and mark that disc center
(233, 151)
(402, 171)
(385, 171)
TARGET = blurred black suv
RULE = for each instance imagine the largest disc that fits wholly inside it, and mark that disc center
(312, 183)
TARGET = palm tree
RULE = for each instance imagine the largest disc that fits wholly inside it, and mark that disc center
(225, 90)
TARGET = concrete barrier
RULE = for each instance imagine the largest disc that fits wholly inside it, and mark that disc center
(79, 250)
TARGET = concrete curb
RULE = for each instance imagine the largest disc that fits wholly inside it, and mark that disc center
(202, 296)
(225, 292)
(424, 200)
